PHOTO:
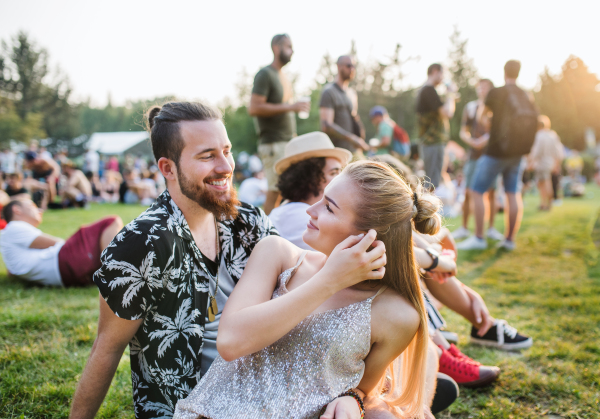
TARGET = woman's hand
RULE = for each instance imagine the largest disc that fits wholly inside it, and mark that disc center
(352, 262)
(342, 408)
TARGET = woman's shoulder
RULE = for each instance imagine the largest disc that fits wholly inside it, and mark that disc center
(393, 312)
(278, 249)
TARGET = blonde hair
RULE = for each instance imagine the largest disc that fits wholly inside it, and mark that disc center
(388, 205)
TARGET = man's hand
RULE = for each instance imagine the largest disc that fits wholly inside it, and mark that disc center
(361, 143)
(352, 262)
(480, 311)
(301, 107)
(342, 408)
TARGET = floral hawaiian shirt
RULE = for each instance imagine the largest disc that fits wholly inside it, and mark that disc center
(148, 272)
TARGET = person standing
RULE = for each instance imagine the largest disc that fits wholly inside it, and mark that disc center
(434, 126)
(91, 161)
(271, 104)
(513, 127)
(545, 159)
(338, 110)
(476, 136)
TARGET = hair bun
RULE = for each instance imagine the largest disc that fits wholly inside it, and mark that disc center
(151, 115)
(427, 220)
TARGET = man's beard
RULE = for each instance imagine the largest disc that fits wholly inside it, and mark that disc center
(209, 200)
(284, 58)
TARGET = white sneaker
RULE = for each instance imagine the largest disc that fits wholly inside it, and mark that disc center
(461, 233)
(494, 234)
(472, 243)
(506, 245)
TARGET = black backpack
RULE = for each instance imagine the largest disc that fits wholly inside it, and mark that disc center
(519, 124)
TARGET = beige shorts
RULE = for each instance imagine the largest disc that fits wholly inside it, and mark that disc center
(269, 154)
(542, 175)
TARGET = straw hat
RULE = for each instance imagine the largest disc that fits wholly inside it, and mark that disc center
(313, 144)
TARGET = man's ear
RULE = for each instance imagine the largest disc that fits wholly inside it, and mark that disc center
(168, 168)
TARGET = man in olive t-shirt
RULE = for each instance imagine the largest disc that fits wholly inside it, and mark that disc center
(271, 104)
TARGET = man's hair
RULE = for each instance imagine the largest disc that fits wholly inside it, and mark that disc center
(163, 124)
(16, 175)
(488, 81)
(8, 210)
(302, 180)
(278, 39)
(512, 69)
(433, 67)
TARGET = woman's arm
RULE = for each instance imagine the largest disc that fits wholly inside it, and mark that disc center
(395, 322)
(252, 321)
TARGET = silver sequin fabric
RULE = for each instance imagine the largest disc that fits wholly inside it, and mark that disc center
(293, 378)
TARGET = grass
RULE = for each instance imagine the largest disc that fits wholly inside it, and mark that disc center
(549, 288)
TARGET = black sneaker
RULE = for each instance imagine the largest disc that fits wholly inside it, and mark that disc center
(502, 336)
(446, 393)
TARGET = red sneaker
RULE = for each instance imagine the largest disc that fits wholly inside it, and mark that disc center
(467, 373)
(456, 353)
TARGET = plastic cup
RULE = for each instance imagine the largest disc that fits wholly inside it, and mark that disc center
(304, 115)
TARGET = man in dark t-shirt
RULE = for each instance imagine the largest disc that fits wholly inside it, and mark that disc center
(433, 122)
(271, 104)
(493, 162)
(338, 110)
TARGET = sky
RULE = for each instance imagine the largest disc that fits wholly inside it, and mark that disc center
(197, 50)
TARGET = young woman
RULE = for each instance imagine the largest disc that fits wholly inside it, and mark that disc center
(302, 327)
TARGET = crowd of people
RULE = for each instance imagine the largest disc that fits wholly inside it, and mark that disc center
(324, 304)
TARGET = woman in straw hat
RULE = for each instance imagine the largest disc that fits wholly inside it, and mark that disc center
(310, 162)
(308, 334)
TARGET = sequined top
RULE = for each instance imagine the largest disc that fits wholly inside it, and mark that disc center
(293, 378)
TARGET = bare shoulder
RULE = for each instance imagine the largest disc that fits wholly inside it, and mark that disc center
(277, 249)
(393, 316)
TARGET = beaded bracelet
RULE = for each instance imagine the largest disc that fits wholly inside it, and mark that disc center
(359, 400)
(355, 396)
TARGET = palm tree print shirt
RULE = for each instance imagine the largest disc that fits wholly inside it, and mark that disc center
(154, 271)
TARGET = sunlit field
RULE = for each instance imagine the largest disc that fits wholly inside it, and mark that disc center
(549, 288)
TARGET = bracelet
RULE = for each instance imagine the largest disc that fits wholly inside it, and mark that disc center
(355, 396)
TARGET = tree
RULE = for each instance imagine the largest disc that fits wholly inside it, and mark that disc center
(571, 100)
(42, 106)
(464, 75)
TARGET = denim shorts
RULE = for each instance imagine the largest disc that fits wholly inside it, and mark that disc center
(469, 173)
(488, 168)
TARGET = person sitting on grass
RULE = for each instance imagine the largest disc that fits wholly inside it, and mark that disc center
(39, 258)
(310, 162)
(78, 190)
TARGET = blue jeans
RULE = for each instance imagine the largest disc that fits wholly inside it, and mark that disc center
(488, 168)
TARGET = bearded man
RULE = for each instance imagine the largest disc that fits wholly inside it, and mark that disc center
(166, 276)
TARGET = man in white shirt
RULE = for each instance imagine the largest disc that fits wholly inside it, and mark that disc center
(31, 255)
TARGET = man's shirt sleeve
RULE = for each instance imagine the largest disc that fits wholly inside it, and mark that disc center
(327, 100)
(130, 276)
(262, 83)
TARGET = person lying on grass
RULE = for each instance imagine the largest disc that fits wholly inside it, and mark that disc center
(41, 259)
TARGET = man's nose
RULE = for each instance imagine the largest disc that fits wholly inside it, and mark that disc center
(224, 166)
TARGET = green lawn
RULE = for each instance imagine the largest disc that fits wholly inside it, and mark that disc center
(549, 288)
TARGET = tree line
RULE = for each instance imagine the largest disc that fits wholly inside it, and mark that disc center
(35, 101)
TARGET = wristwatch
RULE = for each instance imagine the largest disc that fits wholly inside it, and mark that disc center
(434, 254)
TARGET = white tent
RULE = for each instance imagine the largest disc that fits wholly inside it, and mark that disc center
(116, 142)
